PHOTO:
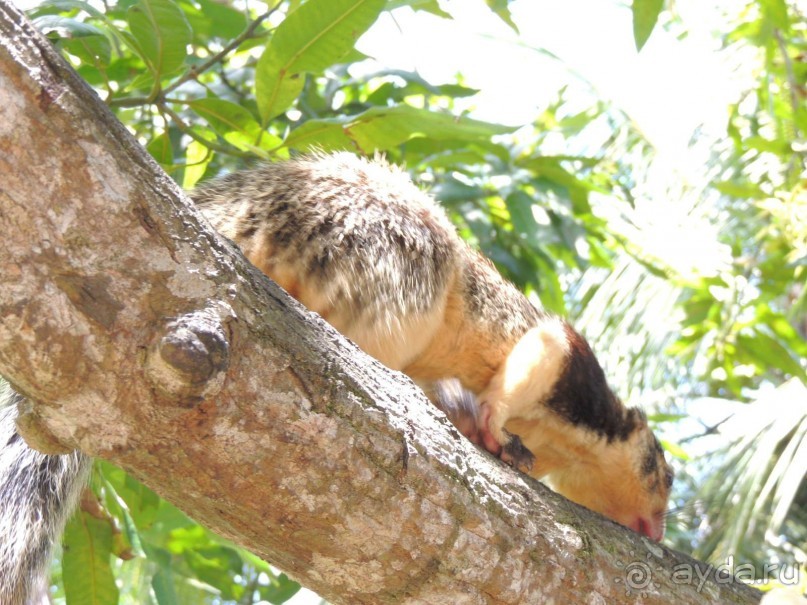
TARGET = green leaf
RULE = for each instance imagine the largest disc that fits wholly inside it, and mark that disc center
(197, 157)
(770, 353)
(161, 150)
(483, 152)
(779, 147)
(775, 12)
(575, 124)
(225, 117)
(551, 169)
(382, 128)
(161, 35)
(675, 450)
(448, 158)
(144, 80)
(316, 35)
(86, 570)
(501, 10)
(119, 71)
(222, 20)
(142, 503)
(163, 585)
(661, 417)
(645, 16)
(550, 290)
(740, 190)
(236, 125)
(78, 38)
(415, 84)
(93, 51)
(65, 27)
(782, 329)
(450, 190)
(281, 588)
(519, 204)
(598, 254)
(327, 134)
(217, 566)
(68, 5)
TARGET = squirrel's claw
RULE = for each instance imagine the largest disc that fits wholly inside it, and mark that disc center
(516, 454)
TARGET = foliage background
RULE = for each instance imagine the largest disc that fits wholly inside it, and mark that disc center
(564, 205)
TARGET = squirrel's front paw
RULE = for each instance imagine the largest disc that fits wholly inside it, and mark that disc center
(516, 454)
(509, 448)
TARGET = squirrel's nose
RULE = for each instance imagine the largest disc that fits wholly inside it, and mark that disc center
(652, 528)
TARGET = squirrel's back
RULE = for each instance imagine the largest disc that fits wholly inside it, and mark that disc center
(354, 240)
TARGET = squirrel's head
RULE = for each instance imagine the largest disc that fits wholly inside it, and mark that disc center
(627, 480)
(553, 394)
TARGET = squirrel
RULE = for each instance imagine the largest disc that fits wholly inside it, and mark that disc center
(356, 241)
(359, 243)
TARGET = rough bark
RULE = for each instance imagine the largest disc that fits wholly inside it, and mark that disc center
(145, 339)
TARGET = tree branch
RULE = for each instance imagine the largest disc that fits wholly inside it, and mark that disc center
(144, 338)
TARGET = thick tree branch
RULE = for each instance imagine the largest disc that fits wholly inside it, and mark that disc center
(145, 339)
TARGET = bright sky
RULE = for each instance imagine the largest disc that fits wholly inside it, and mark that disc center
(669, 88)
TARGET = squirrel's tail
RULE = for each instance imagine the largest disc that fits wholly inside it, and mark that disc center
(37, 495)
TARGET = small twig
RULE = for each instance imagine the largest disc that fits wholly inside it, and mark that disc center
(708, 430)
(130, 102)
(194, 72)
(226, 81)
(185, 129)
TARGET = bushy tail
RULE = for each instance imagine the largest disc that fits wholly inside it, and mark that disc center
(37, 495)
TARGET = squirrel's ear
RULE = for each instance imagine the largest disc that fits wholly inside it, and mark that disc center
(636, 418)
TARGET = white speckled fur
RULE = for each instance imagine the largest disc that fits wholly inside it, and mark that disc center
(37, 495)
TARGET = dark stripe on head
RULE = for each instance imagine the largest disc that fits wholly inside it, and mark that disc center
(582, 396)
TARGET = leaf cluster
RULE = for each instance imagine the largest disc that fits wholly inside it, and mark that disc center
(750, 322)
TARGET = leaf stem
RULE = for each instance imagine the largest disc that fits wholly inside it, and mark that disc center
(194, 71)
(185, 129)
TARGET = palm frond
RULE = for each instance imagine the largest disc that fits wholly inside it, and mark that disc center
(749, 495)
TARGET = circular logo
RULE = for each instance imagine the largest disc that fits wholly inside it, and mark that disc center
(638, 575)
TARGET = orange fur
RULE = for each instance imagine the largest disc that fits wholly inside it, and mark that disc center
(458, 348)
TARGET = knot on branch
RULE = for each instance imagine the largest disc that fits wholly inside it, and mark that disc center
(36, 435)
(189, 360)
